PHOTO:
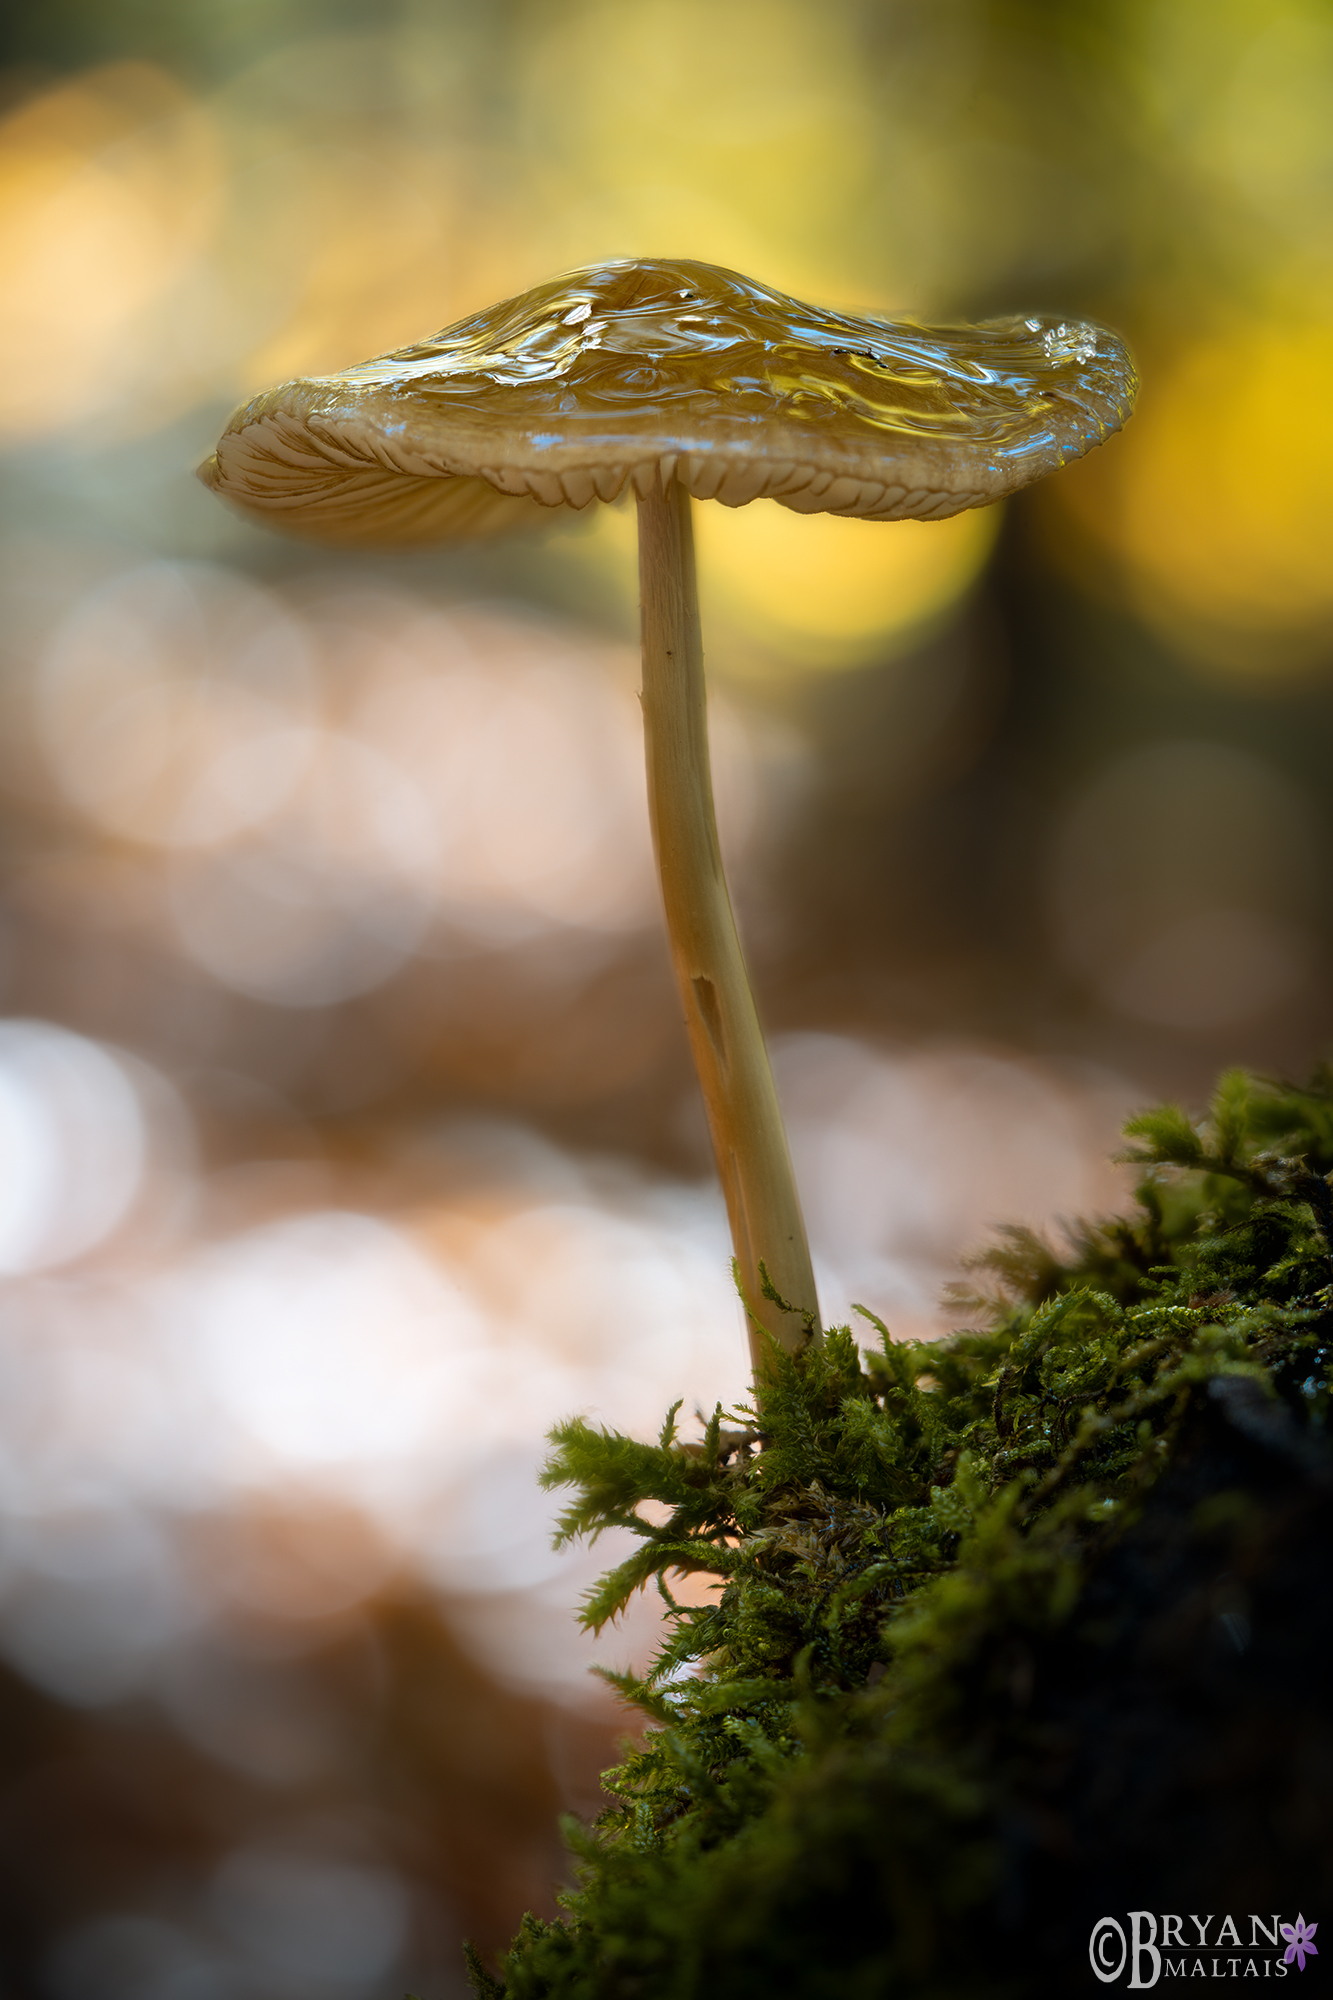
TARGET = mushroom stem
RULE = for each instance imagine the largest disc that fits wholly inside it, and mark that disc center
(749, 1140)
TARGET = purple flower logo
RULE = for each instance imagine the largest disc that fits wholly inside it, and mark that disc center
(1298, 1936)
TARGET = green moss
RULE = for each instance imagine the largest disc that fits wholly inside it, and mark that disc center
(836, 1743)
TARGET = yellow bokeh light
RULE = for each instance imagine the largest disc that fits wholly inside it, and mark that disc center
(816, 591)
(734, 134)
(1219, 503)
(348, 231)
(160, 250)
(107, 188)
(347, 249)
(785, 594)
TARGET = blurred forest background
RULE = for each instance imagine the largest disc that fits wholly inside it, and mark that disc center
(347, 1128)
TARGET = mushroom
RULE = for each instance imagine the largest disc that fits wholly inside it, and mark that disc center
(681, 380)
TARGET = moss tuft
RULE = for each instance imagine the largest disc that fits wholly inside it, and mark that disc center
(871, 1765)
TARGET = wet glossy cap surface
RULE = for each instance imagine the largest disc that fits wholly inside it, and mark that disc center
(646, 370)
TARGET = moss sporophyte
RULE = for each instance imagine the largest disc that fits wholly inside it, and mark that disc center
(987, 1612)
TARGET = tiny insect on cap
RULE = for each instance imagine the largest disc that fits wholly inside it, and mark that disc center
(641, 371)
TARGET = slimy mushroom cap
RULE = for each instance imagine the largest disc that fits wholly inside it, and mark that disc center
(638, 371)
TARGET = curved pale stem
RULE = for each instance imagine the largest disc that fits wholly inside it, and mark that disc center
(749, 1141)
